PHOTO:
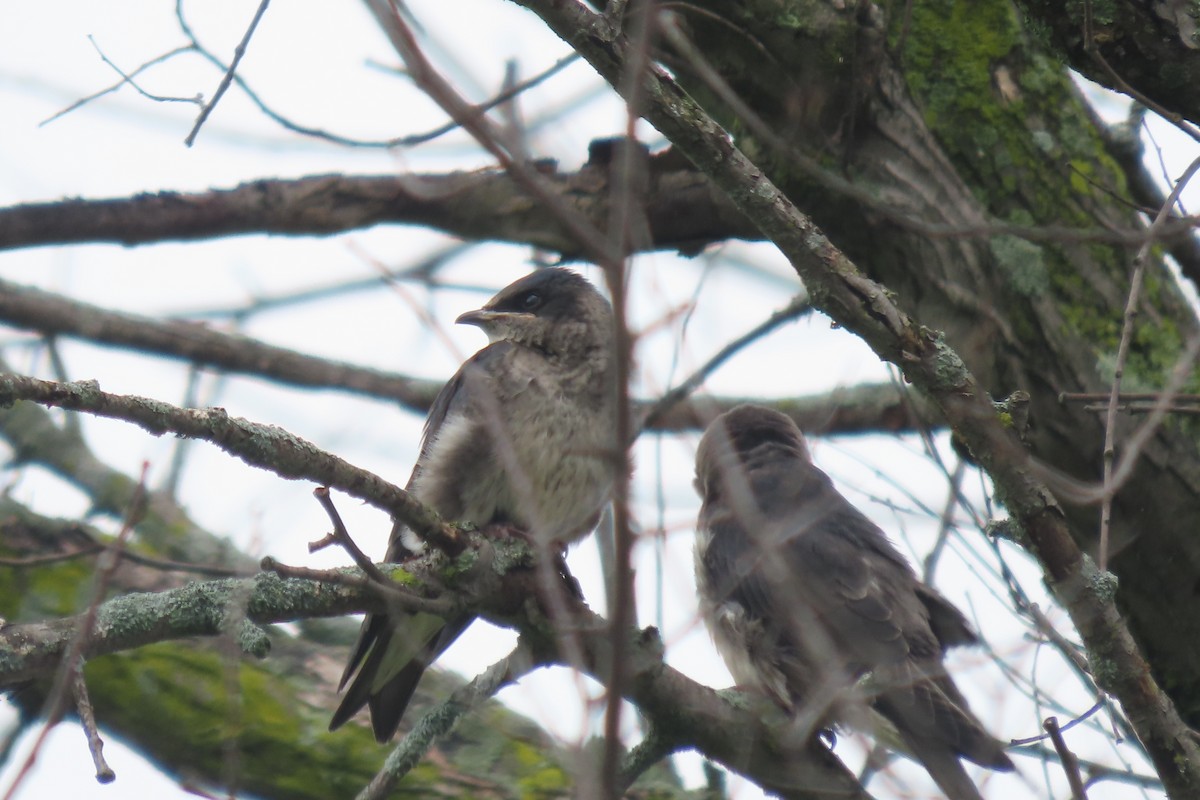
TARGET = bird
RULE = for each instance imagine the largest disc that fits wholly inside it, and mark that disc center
(808, 602)
(521, 436)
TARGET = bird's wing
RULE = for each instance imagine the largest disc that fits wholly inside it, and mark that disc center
(864, 587)
(931, 715)
(389, 700)
(393, 651)
(948, 623)
(452, 399)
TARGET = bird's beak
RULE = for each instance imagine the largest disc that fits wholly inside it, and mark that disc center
(480, 317)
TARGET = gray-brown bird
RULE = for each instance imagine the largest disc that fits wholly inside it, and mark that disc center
(521, 435)
(808, 601)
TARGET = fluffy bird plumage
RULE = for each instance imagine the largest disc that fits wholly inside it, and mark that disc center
(808, 601)
(522, 435)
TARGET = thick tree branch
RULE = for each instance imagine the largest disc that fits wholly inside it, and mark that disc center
(264, 446)
(860, 409)
(1152, 49)
(48, 313)
(839, 289)
(32, 650)
(683, 211)
(733, 729)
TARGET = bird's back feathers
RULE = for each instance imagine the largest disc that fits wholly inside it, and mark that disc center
(805, 596)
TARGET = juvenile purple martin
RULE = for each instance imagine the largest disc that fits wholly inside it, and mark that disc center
(808, 601)
(521, 435)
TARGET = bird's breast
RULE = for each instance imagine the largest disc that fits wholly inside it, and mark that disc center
(539, 460)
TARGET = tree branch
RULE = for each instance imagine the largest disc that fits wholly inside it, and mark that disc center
(683, 211)
(33, 650)
(860, 409)
(27, 307)
(740, 731)
(264, 446)
(1134, 40)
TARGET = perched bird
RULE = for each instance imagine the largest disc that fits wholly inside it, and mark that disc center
(521, 435)
(809, 602)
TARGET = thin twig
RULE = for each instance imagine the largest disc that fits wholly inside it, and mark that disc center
(187, 48)
(87, 718)
(500, 99)
(442, 719)
(342, 536)
(409, 140)
(73, 660)
(798, 307)
(390, 591)
(627, 225)
(170, 484)
(158, 98)
(1099, 704)
(227, 80)
(1070, 764)
(945, 521)
(1131, 311)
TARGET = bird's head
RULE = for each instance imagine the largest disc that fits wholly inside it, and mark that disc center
(554, 310)
(739, 438)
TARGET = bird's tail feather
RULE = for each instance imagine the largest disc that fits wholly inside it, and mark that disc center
(388, 697)
(943, 766)
(936, 728)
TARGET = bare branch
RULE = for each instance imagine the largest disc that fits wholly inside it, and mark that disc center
(683, 212)
(124, 79)
(1070, 763)
(858, 409)
(87, 717)
(53, 314)
(740, 731)
(227, 80)
(442, 719)
(264, 446)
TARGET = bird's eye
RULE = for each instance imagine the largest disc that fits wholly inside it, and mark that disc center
(531, 301)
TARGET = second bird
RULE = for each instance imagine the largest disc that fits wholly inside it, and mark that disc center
(809, 602)
(522, 435)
